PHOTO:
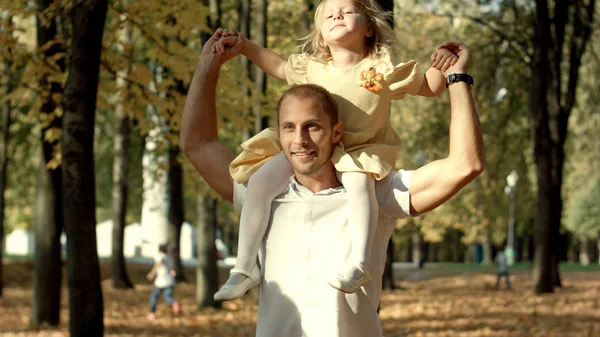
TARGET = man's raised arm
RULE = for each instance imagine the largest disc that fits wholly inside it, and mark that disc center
(199, 137)
(434, 183)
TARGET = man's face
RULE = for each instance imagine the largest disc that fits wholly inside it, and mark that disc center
(306, 135)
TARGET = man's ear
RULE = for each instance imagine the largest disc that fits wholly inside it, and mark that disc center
(338, 131)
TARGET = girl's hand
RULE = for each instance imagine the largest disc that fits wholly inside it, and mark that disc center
(464, 57)
(227, 38)
(442, 59)
(211, 47)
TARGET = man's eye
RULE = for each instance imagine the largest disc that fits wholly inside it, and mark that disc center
(313, 127)
(287, 127)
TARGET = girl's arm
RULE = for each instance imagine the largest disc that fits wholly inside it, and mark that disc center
(267, 60)
(152, 273)
(434, 82)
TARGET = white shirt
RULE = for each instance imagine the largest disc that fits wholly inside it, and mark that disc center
(163, 273)
(308, 239)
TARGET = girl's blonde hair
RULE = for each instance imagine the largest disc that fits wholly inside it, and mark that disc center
(377, 44)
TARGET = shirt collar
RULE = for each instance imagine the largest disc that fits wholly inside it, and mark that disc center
(303, 190)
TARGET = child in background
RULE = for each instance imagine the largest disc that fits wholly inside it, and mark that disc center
(163, 273)
(349, 54)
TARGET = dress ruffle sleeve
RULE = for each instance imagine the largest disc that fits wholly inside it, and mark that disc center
(255, 152)
(403, 78)
(296, 69)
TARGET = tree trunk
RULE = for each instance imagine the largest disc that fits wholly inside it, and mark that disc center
(47, 273)
(388, 271)
(49, 211)
(584, 257)
(6, 120)
(388, 6)
(176, 216)
(244, 8)
(487, 251)
(120, 279)
(551, 106)
(207, 272)
(77, 146)
(260, 78)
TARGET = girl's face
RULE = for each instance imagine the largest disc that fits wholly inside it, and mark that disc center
(344, 24)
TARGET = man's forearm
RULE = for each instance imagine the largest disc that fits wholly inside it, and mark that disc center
(466, 141)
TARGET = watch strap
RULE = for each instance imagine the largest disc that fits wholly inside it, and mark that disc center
(453, 78)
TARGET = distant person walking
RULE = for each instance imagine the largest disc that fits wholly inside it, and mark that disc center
(163, 273)
(502, 269)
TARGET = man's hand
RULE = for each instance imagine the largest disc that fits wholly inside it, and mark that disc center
(464, 57)
(150, 276)
(234, 43)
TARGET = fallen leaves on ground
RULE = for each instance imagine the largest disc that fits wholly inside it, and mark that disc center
(463, 305)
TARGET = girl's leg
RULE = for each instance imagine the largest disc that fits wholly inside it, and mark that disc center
(363, 215)
(264, 185)
(153, 299)
(168, 294)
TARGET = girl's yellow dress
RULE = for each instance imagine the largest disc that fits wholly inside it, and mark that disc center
(369, 143)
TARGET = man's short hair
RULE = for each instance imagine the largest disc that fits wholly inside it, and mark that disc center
(318, 94)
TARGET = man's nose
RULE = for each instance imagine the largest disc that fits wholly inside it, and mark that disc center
(301, 137)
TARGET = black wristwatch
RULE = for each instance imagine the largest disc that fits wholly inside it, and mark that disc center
(453, 78)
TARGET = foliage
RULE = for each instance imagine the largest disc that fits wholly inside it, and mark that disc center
(584, 213)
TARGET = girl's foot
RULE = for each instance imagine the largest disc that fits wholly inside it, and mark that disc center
(350, 280)
(238, 284)
(176, 310)
(151, 316)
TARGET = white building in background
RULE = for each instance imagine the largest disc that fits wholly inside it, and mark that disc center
(134, 241)
(20, 242)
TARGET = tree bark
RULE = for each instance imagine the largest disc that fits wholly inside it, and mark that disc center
(120, 279)
(551, 105)
(388, 271)
(6, 120)
(49, 212)
(77, 146)
(176, 216)
(260, 78)
(244, 8)
(207, 272)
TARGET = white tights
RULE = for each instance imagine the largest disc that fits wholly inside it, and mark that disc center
(272, 178)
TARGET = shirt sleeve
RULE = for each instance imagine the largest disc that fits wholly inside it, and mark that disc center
(404, 78)
(296, 69)
(393, 194)
(239, 194)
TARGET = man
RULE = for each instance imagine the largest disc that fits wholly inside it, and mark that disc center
(308, 234)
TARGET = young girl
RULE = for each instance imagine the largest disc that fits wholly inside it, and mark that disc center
(348, 53)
